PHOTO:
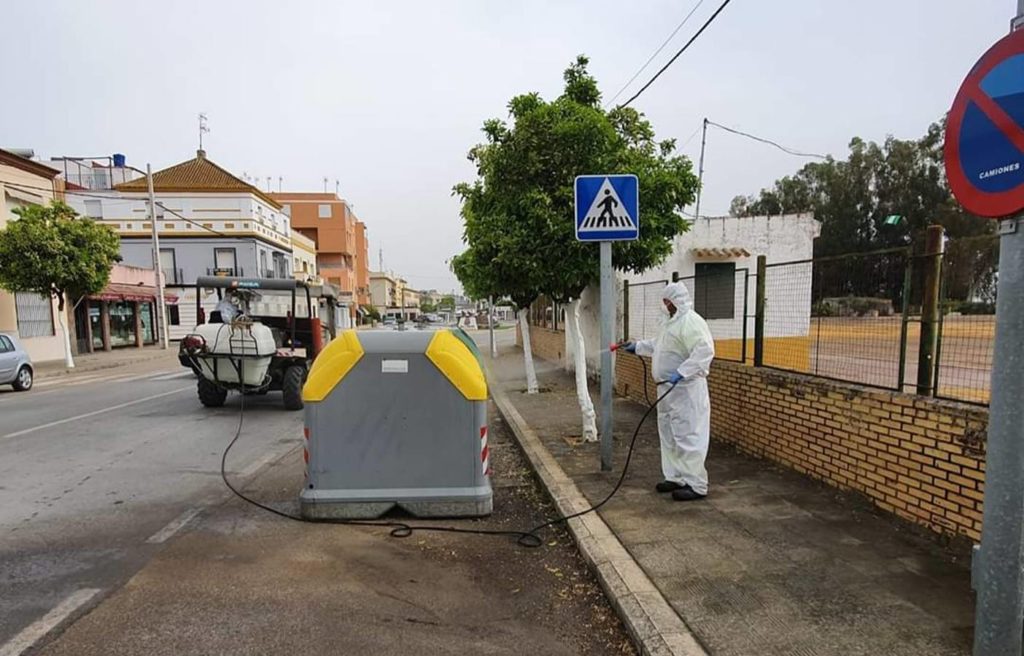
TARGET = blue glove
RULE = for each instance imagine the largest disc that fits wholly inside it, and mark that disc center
(630, 347)
(676, 377)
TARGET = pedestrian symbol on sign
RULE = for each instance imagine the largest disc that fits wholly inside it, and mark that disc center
(606, 207)
(606, 212)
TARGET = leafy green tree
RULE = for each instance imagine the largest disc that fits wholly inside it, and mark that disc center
(518, 213)
(53, 252)
(853, 199)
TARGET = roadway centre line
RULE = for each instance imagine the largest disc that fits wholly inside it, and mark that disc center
(35, 631)
(174, 526)
(92, 414)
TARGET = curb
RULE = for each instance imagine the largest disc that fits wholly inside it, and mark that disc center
(652, 623)
(44, 372)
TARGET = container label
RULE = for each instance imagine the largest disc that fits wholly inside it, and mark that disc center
(394, 366)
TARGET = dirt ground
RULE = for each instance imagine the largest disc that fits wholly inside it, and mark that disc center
(867, 350)
(551, 586)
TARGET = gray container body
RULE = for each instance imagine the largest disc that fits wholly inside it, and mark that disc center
(395, 431)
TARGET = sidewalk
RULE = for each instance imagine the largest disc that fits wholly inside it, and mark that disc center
(770, 562)
(105, 360)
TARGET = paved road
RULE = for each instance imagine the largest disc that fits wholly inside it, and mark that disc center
(94, 465)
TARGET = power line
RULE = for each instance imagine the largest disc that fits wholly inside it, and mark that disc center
(690, 138)
(656, 52)
(676, 56)
(784, 149)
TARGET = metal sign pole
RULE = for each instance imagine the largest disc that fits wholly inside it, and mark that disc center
(607, 337)
(999, 562)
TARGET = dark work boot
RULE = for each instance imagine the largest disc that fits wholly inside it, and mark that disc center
(668, 486)
(686, 493)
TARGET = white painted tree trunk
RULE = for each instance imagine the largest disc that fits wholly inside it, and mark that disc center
(531, 373)
(69, 362)
(580, 365)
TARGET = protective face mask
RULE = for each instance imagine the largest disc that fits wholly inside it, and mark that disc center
(664, 311)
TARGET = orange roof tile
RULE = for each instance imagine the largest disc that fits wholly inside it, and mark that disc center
(197, 174)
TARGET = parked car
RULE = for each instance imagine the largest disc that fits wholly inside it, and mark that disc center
(15, 365)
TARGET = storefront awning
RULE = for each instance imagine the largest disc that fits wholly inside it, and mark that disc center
(721, 252)
(117, 291)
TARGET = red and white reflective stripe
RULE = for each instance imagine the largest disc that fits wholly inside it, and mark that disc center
(305, 452)
(485, 453)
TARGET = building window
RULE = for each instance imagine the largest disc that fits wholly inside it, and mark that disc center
(94, 209)
(715, 290)
(168, 265)
(263, 265)
(224, 260)
(173, 317)
(35, 315)
(280, 266)
(323, 211)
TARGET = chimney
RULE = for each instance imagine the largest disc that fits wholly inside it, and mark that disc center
(201, 154)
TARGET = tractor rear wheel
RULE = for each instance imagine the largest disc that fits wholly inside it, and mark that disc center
(210, 394)
(291, 386)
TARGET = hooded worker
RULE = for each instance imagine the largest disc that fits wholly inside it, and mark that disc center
(682, 355)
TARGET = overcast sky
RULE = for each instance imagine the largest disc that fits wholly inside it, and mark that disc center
(388, 97)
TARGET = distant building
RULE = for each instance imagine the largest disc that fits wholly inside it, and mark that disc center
(391, 295)
(210, 222)
(304, 258)
(339, 238)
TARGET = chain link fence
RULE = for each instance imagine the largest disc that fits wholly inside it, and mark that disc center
(857, 318)
(968, 321)
(838, 317)
(721, 294)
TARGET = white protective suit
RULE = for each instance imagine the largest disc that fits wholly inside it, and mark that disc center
(684, 345)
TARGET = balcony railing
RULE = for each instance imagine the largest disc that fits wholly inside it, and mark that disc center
(226, 271)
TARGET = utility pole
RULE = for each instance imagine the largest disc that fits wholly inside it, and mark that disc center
(997, 569)
(700, 166)
(161, 307)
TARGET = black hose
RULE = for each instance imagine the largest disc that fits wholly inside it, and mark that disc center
(528, 538)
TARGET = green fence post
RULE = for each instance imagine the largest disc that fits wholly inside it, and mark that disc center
(759, 303)
(746, 299)
(905, 314)
(625, 310)
(930, 311)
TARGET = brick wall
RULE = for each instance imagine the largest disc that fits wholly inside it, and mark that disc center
(918, 458)
(546, 343)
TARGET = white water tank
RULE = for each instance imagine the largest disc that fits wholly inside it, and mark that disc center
(228, 346)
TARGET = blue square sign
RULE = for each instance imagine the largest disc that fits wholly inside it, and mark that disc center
(607, 207)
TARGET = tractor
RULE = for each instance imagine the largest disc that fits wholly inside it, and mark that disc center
(242, 351)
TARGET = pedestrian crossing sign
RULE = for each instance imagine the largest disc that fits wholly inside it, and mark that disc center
(607, 207)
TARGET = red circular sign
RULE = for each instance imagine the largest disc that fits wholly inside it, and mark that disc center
(984, 151)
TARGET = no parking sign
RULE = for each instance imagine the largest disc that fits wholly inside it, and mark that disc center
(984, 150)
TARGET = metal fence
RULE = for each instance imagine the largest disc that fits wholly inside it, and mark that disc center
(642, 309)
(967, 328)
(838, 317)
(721, 295)
(857, 318)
